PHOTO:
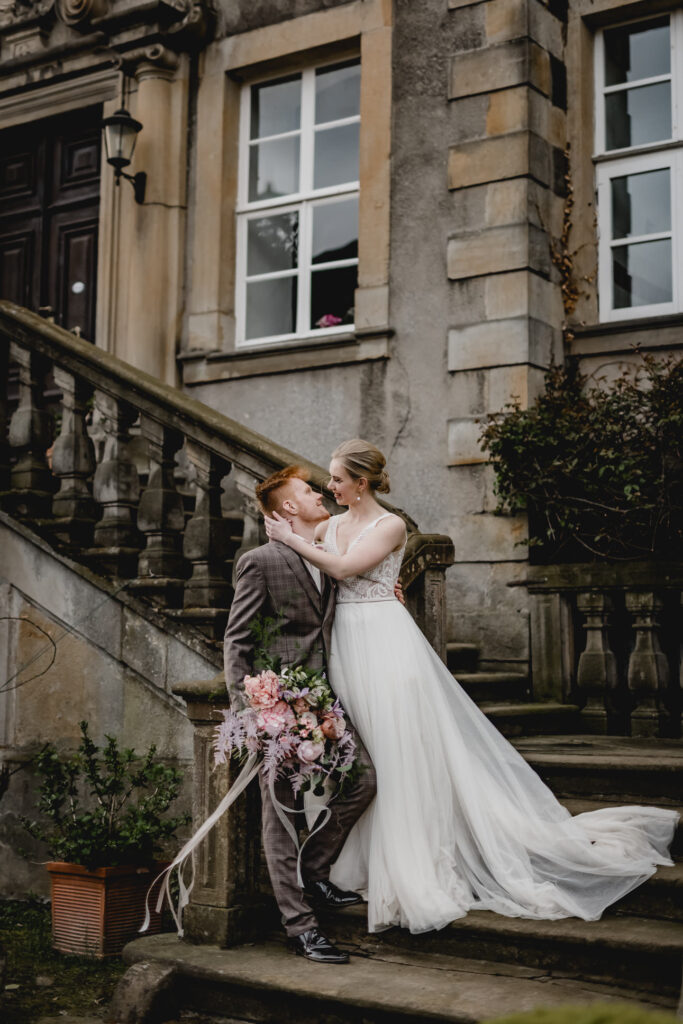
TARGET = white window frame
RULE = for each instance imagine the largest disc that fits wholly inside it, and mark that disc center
(303, 202)
(661, 155)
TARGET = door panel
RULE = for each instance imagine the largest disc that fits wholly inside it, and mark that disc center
(49, 210)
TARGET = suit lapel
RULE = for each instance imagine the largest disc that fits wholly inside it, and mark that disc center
(296, 564)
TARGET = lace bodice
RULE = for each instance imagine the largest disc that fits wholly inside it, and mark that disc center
(377, 584)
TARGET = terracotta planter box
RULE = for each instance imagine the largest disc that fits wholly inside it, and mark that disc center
(95, 913)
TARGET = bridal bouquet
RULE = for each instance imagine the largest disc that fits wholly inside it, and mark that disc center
(296, 723)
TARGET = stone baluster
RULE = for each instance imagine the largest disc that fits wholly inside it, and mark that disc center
(226, 906)
(596, 678)
(254, 533)
(117, 490)
(29, 436)
(648, 668)
(206, 544)
(4, 450)
(73, 463)
(161, 518)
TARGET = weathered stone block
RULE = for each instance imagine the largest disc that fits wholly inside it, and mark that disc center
(467, 393)
(509, 383)
(468, 118)
(499, 67)
(508, 156)
(464, 448)
(495, 250)
(512, 19)
(486, 537)
(501, 343)
(372, 306)
(523, 293)
(467, 303)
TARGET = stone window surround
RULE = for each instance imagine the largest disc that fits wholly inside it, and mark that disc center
(638, 159)
(209, 352)
(586, 19)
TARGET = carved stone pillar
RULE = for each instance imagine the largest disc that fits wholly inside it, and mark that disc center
(73, 463)
(29, 436)
(206, 544)
(161, 518)
(648, 668)
(597, 678)
(253, 534)
(117, 490)
(423, 575)
(225, 906)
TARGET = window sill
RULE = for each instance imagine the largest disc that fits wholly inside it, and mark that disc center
(360, 347)
(620, 337)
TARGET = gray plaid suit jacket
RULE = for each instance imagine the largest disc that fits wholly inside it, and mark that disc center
(273, 582)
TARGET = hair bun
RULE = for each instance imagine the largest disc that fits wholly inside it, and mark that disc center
(384, 485)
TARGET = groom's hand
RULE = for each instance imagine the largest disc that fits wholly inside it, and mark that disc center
(398, 591)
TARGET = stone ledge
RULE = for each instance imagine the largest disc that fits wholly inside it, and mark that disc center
(206, 368)
(621, 336)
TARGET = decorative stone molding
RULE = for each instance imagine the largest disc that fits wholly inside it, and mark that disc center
(78, 13)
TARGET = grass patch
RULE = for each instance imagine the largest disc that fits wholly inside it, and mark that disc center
(49, 982)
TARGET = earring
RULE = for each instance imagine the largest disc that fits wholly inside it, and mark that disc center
(358, 498)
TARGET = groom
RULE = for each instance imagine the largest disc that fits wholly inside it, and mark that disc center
(275, 582)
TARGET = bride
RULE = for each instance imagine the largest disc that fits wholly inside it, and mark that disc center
(460, 821)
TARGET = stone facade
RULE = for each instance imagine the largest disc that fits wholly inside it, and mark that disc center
(468, 112)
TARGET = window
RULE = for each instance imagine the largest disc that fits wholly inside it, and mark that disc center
(297, 213)
(639, 155)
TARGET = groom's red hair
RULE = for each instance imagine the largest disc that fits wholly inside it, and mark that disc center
(269, 492)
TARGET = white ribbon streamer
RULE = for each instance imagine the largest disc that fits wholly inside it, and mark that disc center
(282, 811)
(239, 785)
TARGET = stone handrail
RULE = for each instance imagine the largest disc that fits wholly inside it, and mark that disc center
(87, 497)
(607, 637)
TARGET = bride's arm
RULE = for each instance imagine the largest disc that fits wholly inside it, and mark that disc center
(388, 535)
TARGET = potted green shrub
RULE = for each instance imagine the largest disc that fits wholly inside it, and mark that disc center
(104, 819)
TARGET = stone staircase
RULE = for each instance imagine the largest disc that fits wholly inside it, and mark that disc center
(506, 697)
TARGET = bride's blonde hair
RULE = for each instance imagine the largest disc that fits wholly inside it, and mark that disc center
(360, 458)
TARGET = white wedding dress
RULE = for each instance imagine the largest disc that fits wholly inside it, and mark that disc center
(460, 821)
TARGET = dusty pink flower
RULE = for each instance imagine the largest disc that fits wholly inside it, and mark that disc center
(309, 752)
(328, 320)
(277, 718)
(333, 727)
(300, 705)
(307, 722)
(262, 690)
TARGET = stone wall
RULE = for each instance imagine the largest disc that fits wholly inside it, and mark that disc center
(114, 666)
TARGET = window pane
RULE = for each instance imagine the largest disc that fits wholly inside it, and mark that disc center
(641, 204)
(335, 231)
(332, 296)
(271, 307)
(642, 273)
(337, 93)
(336, 156)
(274, 168)
(275, 107)
(272, 243)
(637, 51)
(637, 116)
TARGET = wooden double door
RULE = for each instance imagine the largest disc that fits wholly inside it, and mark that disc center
(49, 213)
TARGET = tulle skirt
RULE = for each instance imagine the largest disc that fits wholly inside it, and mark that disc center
(460, 821)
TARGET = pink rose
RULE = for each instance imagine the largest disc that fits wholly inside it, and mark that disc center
(307, 722)
(276, 719)
(309, 752)
(262, 690)
(333, 728)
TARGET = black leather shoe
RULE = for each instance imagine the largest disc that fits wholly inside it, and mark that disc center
(331, 895)
(314, 946)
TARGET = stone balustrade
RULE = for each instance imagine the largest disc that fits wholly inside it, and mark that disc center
(608, 637)
(74, 428)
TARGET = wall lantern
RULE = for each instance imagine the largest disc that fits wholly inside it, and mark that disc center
(120, 135)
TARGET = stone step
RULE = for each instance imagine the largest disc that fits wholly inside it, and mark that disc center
(386, 985)
(619, 949)
(495, 686)
(462, 657)
(611, 769)
(532, 719)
